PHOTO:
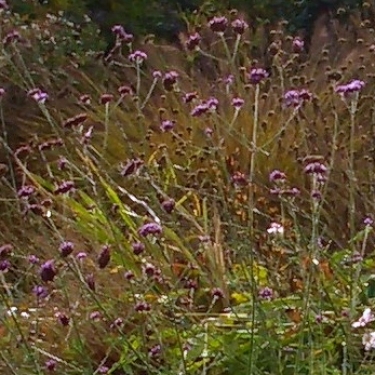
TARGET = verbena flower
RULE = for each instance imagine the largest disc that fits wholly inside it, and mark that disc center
(121, 34)
(257, 75)
(65, 187)
(354, 86)
(367, 317)
(4, 265)
(106, 98)
(167, 125)
(296, 98)
(189, 97)
(170, 80)
(40, 291)
(237, 103)
(138, 57)
(150, 228)
(193, 41)
(66, 248)
(275, 229)
(217, 293)
(368, 340)
(138, 248)
(26, 191)
(104, 257)
(266, 293)
(48, 271)
(315, 168)
(298, 44)
(239, 26)
(168, 205)
(218, 24)
(38, 95)
(277, 176)
(51, 365)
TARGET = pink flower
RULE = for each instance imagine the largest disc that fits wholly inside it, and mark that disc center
(366, 318)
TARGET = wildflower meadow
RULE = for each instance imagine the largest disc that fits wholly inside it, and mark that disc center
(201, 209)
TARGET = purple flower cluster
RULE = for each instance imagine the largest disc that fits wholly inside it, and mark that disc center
(138, 57)
(296, 98)
(257, 75)
(351, 87)
(150, 228)
(209, 105)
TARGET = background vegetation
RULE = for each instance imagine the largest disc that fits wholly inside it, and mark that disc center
(200, 208)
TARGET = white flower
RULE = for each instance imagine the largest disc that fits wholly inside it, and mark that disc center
(368, 340)
(275, 229)
(366, 318)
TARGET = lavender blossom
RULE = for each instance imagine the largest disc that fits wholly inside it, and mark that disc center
(150, 228)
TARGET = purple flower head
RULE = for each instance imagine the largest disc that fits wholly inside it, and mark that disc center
(315, 168)
(298, 44)
(62, 318)
(217, 293)
(38, 95)
(239, 26)
(95, 316)
(150, 228)
(237, 103)
(142, 307)
(199, 110)
(87, 135)
(4, 265)
(168, 205)
(81, 255)
(84, 99)
(48, 271)
(3, 4)
(266, 293)
(295, 98)
(138, 248)
(189, 97)
(51, 365)
(154, 351)
(193, 41)
(90, 281)
(121, 34)
(149, 269)
(316, 195)
(218, 24)
(129, 275)
(26, 191)
(167, 125)
(212, 104)
(106, 98)
(368, 221)
(103, 370)
(157, 74)
(66, 248)
(61, 163)
(354, 86)
(64, 187)
(33, 259)
(40, 291)
(2, 92)
(367, 317)
(228, 80)
(12, 37)
(277, 176)
(138, 57)
(104, 257)
(257, 75)
(125, 90)
(170, 80)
